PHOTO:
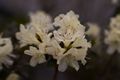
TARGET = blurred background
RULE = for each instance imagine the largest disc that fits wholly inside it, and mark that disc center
(15, 12)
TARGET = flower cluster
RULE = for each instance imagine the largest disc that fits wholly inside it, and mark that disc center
(113, 35)
(64, 39)
(5, 50)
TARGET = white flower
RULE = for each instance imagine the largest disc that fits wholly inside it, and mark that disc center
(41, 20)
(38, 56)
(115, 22)
(113, 35)
(113, 40)
(26, 36)
(5, 50)
(70, 28)
(71, 55)
(74, 45)
(76, 52)
(67, 44)
(55, 49)
(42, 24)
(13, 76)
(93, 33)
(94, 30)
(36, 31)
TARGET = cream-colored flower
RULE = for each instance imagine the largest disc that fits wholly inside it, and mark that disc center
(13, 76)
(75, 52)
(5, 50)
(113, 35)
(27, 36)
(113, 40)
(94, 30)
(72, 34)
(70, 55)
(94, 34)
(36, 31)
(68, 61)
(69, 28)
(42, 21)
(115, 22)
(55, 49)
(42, 24)
(67, 44)
(38, 56)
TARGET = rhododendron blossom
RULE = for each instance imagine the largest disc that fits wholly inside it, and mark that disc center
(67, 44)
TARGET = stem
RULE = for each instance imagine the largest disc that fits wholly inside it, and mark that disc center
(56, 73)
